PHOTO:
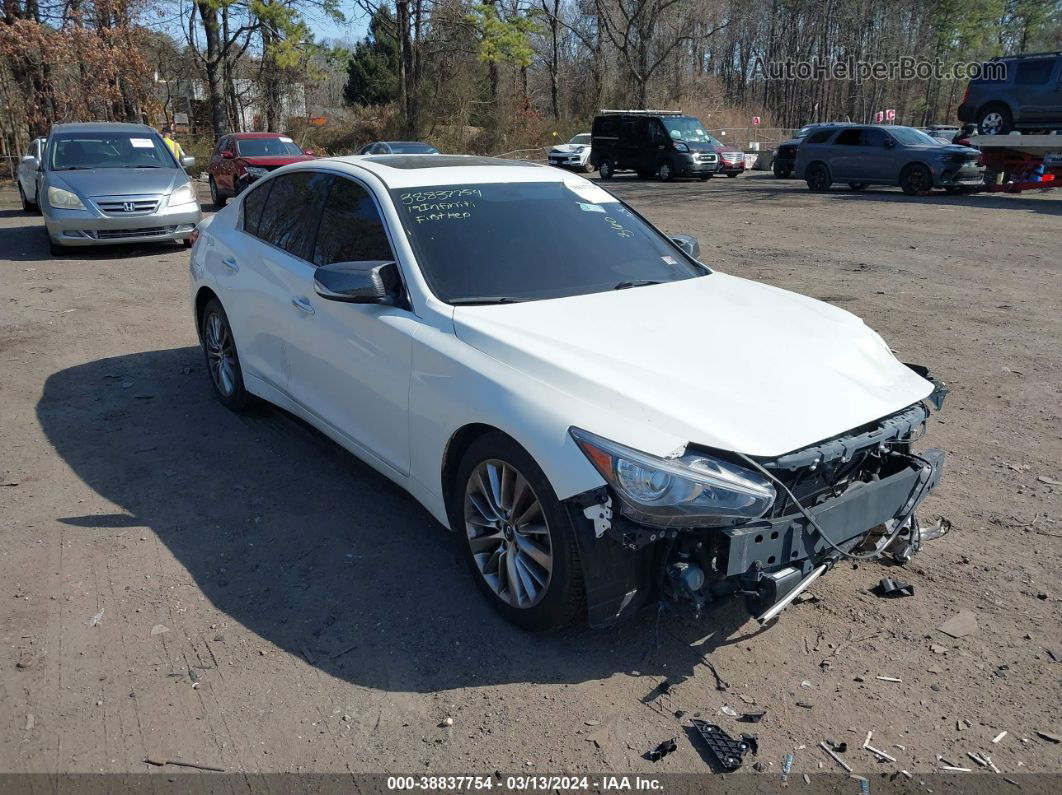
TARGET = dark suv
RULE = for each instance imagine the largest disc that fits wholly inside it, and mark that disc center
(1021, 92)
(664, 144)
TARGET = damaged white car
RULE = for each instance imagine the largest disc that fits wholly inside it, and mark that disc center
(575, 154)
(599, 418)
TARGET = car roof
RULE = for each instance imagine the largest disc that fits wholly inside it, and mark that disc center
(249, 135)
(101, 127)
(407, 171)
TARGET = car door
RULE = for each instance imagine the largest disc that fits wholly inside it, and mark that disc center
(352, 366)
(227, 165)
(27, 169)
(1035, 84)
(267, 269)
(877, 160)
(845, 155)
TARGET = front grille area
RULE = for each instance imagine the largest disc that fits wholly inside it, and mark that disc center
(119, 234)
(139, 205)
(788, 152)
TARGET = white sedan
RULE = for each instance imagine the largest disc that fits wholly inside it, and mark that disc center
(598, 417)
(575, 154)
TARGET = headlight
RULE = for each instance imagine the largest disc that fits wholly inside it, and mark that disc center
(256, 171)
(692, 491)
(64, 199)
(183, 195)
(681, 147)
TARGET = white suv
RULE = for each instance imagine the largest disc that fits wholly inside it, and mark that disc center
(598, 417)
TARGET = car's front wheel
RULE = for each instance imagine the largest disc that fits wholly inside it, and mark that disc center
(516, 536)
(222, 360)
(781, 172)
(915, 179)
(216, 197)
(605, 169)
(664, 172)
(27, 205)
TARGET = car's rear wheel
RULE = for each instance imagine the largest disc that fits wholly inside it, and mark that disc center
(664, 172)
(222, 360)
(606, 170)
(857, 185)
(915, 179)
(27, 205)
(818, 177)
(995, 120)
(516, 536)
(216, 197)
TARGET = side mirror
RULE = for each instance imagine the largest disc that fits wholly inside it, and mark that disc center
(689, 244)
(187, 161)
(28, 158)
(372, 282)
(309, 152)
(227, 155)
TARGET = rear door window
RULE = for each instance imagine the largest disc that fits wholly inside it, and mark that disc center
(820, 137)
(850, 138)
(253, 203)
(351, 229)
(1034, 73)
(292, 209)
(874, 137)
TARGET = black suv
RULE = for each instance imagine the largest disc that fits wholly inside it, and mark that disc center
(1021, 92)
(664, 144)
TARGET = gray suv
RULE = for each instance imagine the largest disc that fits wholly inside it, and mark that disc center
(864, 155)
(1023, 92)
(104, 183)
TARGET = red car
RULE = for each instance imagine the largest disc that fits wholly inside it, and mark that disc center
(731, 159)
(241, 158)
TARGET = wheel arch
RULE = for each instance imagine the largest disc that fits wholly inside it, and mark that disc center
(202, 298)
(816, 162)
(455, 449)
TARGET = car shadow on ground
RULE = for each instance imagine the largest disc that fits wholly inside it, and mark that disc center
(29, 243)
(295, 539)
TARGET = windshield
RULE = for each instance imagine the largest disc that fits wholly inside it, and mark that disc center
(267, 147)
(686, 128)
(582, 138)
(109, 150)
(912, 137)
(492, 243)
(399, 148)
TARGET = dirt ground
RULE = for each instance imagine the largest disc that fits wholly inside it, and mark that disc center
(182, 583)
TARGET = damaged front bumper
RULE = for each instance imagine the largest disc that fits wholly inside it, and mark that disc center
(861, 489)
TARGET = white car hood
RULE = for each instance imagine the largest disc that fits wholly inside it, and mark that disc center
(718, 361)
(565, 149)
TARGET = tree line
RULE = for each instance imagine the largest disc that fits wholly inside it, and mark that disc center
(507, 70)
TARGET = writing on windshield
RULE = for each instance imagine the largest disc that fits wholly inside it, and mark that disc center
(502, 242)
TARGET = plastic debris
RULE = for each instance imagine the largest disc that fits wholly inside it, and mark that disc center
(889, 678)
(662, 750)
(889, 588)
(960, 625)
(729, 711)
(752, 717)
(998, 737)
(787, 765)
(725, 750)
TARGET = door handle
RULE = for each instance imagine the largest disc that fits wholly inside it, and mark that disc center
(230, 263)
(302, 305)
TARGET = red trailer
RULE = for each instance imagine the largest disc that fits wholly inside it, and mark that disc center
(1016, 160)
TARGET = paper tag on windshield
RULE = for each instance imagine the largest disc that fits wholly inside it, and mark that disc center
(142, 143)
(286, 140)
(590, 208)
(589, 192)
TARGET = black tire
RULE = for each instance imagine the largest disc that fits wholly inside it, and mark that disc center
(606, 169)
(915, 179)
(857, 185)
(234, 397)
(995, 120)
(664, 171)
(56, 249)
(818, 177)
(782, 173)
(588, 168)
(217, 198)
(27, 205)
(564, 597)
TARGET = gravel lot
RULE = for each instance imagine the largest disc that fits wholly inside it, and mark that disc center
(183, 583)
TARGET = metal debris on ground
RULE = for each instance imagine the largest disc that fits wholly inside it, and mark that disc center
(724, 749)
(889, 588)
(1054, 738)
(805, 704)
(662, 750)
(998, 737)
(752, 717)
(178, 763)
(889, 678)
(837, 759)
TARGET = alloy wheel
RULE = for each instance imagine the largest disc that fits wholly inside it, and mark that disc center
(508, 534)
(221, 355)
(664, 172)
(992, 123)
